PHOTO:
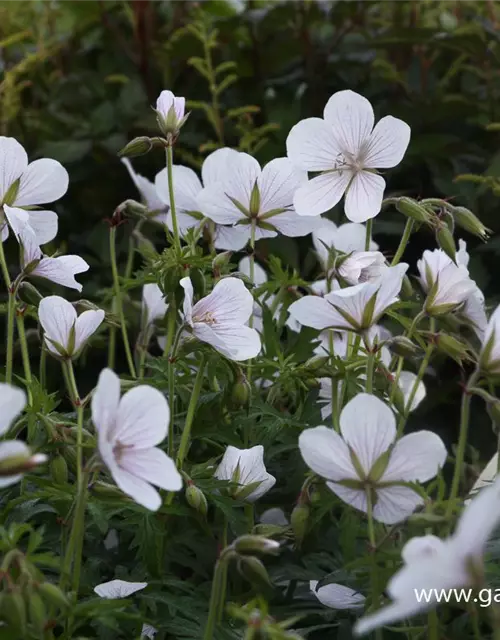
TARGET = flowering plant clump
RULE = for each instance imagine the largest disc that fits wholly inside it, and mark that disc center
(216, 445)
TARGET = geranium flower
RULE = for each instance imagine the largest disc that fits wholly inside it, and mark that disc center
(154, 306)
(474, 309)
(115, 589)
(187, 190)
(170, 113)
(336, 596)
(128, 431)
(29, 185)
(490, 350)
(436, 565)
(353, 308)
(248, 195)
(447, 284)
(65, 334)
(15, 456)
(245, 467)
(346, 238)
(347, 149)
(364, 458)
(219, 318)
(60, 270)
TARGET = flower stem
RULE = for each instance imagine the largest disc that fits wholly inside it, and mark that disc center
(462, 440)
(24, 352)
(171, 373)
(368, 238)
(433, 625)
(217, 598)
(73, 557)
(186, 433)
(175, 228)
(404, 241)
(118, 299)
(11, 309)
(370, 365)
(75, 398)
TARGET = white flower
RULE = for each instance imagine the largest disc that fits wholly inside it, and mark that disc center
(60, 270)
(336, 596)
(148, 193)
(187, 190)
(473, 309)
(154, 306)
(274, 516)
(406, 382)
(490, 351)
(362, 266)
(148, 631)
(245, 467)
(111, 541)
(353, 308)
(347, 238)
(15, 456)
(26, 185)
(248, 195)
(368, 429)
(436, 565)
(447, 284)
(65, 334)
(170, 111)
(128, 430)
(347, 149)
(219, 318)
(118, 589)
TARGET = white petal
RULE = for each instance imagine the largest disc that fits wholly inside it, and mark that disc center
(12, 449)
(363, 199)
(311, 144)
(236, 342)
(139, 490)
(324, 235)
(231, 238)
(118, 588)
(399, 610)
(242, 174)
(145, 187)
(391, 281)
(292, 225)
(351, 117)
(148, 631)
(215, 165)
(214, 203)
(230, 302)
(62, 270)
(387, 143)
(274, 516)
(87, 324)
(250, 463)
(12, 402)
(143, 416)
(187, 187)
(395, 504)
(13, 161)
(277, 184)
(44, 224)
(351, 237)
(487, 476)
(260, 275)
(18, 219)
(43, 181)
(369, 427)
(153, 302)
(351, 301)
(31, 250)
(417, 457)
(313, 311)
(421, 548)
(187, 285)
(321, 193)
(152, 465)
(324, 451)
(354, 497)
(57, 317)
(406, 383)
(105, 401)
(336, 596)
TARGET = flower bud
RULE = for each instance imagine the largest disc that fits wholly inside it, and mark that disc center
(136, 147)
(299, 520)
(253, 570)
(452, 347)
(221, 260)
(446, 242)
(59, 470)
(19, 463)
(402, 346)
(198, 280)
(37, 611)
(398, 399)
(406, 288)
(53, 595)
(170, 114)
(29, 294)
(196, 499)
(317, 362)
(470, 222)
(240, 393)
(411, 209)
(249, 544)
(13, 611)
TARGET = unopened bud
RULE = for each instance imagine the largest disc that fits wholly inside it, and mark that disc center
(59, 470)
(470, 222)
(53, 595)
(299, 520)
(253, 570)
(198, 281)
(14, 612)
(196, 499)
(248, 545)
(19, 463)
(411, 209)
(240, 393)
(402, 346)
(315, 363)
(221, 260)
(446, 242)
(136, 147)
(37, 611)
(452, 347)
(29, 294)
(398, 399)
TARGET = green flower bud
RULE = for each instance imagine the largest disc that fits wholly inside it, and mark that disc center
(317, 362)
(198, 281)
(398, 399)
(59, 470)
(29, 294)
(402, 346)
(470, 222)
(53, 595)
(299, 520)
(253, 570)
(411, 209)
(37, 611)
(446, 242)
(196, 499)
(13, 611)
(221, 260)
(249, 544)
(240, 393)
(452, 347)
(136, 147)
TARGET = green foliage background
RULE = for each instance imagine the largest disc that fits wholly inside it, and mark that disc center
(77, 82)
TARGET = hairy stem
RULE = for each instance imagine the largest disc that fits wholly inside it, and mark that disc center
(175, 228)
(186, 433)
(404, 241)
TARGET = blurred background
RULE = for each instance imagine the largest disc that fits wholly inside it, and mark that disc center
(77, 81)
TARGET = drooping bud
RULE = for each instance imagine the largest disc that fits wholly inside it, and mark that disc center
(37, 611)
(53, 595)
(59, 470)
(13, 610)
(446, 242)
(470, 222)
(221, 260)
(29, 294)
(136, 147)
(452, 347)
(402, 346)
(411, 209)
(299, 520)
(196, 499)
(249, 544)
(253, 570)
(240, 393)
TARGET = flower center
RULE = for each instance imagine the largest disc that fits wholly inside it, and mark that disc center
(207, 318)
